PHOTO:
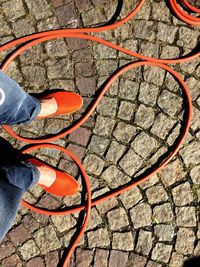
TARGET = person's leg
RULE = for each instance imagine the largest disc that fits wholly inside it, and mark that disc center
(16, 106)
(12, 188)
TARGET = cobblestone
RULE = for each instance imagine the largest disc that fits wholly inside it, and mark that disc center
(172, 173)
(104, 126)
(131, 197)
(144, 144)
(185, 241)
(162, 252)
(162, 125)
(99, 238)
(12, 261)
(186, 217)
(144, 116)
(126, 110)
(187, 37)
(117, 219)
(19, 234)
(83, 258)
(93, 164)
(114, 177)
(128, 89)
(118, 258)
(29, 250)
(131, 162)
(136, 260)
(182, 194)
(141, 215)
(194, 173)
(164, 232)
(170, 30)
(144, 30)
(98, 144)
(101, 258)
(165, 101)
(123, 241)
(46, 239)
(156, 194)
(6, 249)
(23, 26)
(39, 8)
(162, 213)
(154, 75)
(148, 93)
(144, 243)
(63, 223)
(124, 132)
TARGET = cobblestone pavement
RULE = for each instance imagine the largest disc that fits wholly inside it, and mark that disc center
(140, 117)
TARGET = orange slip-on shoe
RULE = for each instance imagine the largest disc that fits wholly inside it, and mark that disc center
(64, 185)
(67, 103)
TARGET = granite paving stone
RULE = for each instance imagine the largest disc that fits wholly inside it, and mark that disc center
(163, 213)
(144, 145)
(144, 243)
(98, 238)
(169, 103)
(162, 125)
(128, 89)
(172, 173)
(123, 241)
(162, 252)
(118, 258)
(101, 258)
(136, 260)
(182, 194)
(164, 232)
(46, 239)
(14, 9)
(126, 110)
(98, 144)
(186, 217)
(117, 219)
(104, 126)
(148, 93)
(156, 194)
(29, 249)
(144, 116)
(124, 132)
(185, 241)
(141, 215)
(12, 261)
(114, 177)
(131, 162)
(194, 173)
(131, 197)
(176, 260)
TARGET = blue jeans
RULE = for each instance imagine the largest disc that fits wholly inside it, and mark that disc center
(16, 106)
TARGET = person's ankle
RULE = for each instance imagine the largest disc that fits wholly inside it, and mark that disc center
(47, 176)
(48, 106)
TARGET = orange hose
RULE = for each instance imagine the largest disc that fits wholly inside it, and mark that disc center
(92, 108)
(88, 202)
(190, 7)
(134, 183)
(183, 15)
(29, 41)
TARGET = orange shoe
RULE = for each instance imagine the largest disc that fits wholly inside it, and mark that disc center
(67, 103)
(64, 185)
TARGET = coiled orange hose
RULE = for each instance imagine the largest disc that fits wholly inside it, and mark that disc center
(183, 15)
(37, 38)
